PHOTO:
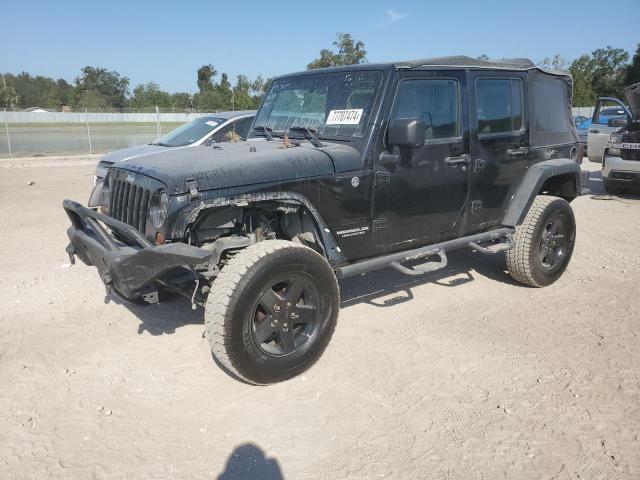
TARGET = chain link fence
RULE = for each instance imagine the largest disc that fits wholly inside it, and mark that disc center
(41, 132)
(582, 111)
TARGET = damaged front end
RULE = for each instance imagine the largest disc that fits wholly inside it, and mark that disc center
(128, 263)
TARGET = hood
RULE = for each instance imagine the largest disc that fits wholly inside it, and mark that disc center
(132, 152)
(632, 96)
(236, 164)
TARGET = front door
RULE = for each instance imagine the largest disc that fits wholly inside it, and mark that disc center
(420, 199)
(602, 126)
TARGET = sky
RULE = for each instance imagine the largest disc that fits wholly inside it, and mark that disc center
(166, 41)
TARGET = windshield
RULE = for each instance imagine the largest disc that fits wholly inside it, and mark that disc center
(189, 132)
(612, 111)
(334, 104)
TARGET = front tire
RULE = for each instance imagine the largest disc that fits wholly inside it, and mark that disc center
(543, 243)
(272, 311)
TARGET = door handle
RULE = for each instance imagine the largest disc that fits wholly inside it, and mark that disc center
(516, 152)
(453, 161)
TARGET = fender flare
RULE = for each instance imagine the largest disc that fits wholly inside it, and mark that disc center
(531, 184)
(189, 214)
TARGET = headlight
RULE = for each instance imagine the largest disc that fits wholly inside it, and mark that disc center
(615, 137)
(159, 209)
(614, 152)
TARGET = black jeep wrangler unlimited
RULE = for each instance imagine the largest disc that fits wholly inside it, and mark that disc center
(347, 170)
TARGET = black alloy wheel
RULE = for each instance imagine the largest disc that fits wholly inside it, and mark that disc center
(286, 315)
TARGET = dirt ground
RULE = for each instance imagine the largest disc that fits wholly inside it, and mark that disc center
(462, 374)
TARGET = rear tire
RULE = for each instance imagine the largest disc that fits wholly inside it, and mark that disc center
(543, 243)
(272, 311)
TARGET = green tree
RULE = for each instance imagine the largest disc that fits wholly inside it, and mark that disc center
(150, 95)
(99, 86)
(64, 93)
(242, 93)
(206, 75)
(609, 68)
(601, 74)
(556, 63)
(25, 91)
(181, 100)
(209, 100)
(632, 75)
(582, 74)
(91, 99)
(349, 52)
(8, 97)
(225, 92)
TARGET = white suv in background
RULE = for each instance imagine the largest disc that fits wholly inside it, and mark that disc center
(621, 159)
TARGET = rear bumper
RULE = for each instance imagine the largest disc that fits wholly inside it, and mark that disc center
(128, 267)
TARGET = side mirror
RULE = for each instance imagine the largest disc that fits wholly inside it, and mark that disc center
(617, 122)
(406, 133)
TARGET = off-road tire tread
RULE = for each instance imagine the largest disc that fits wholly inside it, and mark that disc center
(230, 281)
(519, 260)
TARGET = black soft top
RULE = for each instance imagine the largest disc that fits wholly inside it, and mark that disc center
(456, 61)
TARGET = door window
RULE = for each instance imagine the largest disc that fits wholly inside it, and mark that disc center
(242, 127)
(434, 102)
(227, 134)
(498, 105)
(607, 111)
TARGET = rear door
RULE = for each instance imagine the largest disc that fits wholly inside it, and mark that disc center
(499, 142)
(599, 131)
(420, 199)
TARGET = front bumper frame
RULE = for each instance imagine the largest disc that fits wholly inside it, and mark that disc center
(128, 268)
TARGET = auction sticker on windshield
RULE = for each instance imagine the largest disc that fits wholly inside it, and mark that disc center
(344, 117)
(211, 123)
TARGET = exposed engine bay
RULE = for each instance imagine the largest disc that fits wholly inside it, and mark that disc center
(226, 230)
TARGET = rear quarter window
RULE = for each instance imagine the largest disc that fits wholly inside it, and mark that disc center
(552, 123)
(498, 105)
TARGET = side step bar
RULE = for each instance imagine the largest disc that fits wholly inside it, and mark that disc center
(395, 260)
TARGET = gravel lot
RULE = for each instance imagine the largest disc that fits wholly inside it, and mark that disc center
(462, 374)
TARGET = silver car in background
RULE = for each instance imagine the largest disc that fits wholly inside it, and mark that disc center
(214, 128)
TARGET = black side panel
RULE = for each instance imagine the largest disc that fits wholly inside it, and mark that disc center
(531, 184)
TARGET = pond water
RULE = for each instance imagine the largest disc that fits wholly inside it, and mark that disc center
(73, 139)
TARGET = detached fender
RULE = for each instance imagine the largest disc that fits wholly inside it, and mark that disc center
(532, 183)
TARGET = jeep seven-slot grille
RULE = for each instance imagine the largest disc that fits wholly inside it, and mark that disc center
(630, 154)
(129, 204)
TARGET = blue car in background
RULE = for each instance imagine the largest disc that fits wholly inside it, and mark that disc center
(606, 114)
(579, 120)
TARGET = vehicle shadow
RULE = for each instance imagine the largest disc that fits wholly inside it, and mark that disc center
(382, 288)
(596, 185)
(165, 317)
(248, 461)
(378, 288)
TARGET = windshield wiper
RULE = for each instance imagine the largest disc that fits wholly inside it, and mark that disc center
(160, 144)
(309, 134)
(267, 131)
